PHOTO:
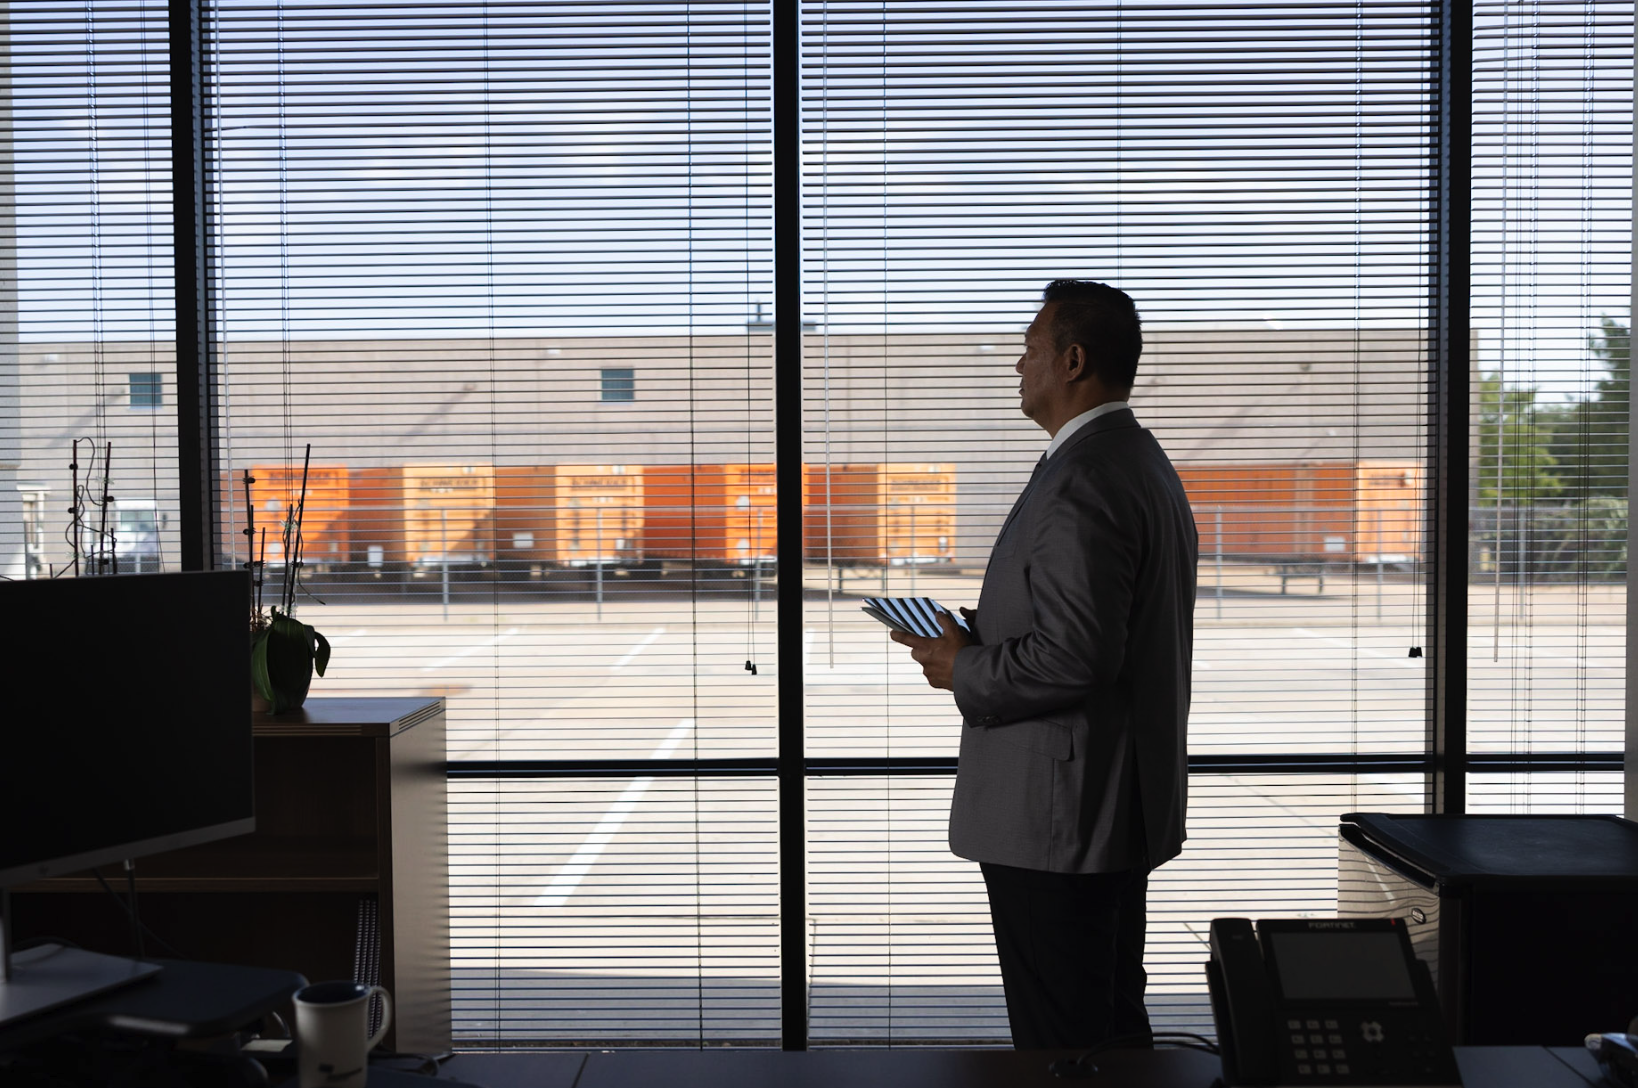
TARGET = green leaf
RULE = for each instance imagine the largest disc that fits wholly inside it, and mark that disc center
(322, 657)
(258, 668)
(286, 627)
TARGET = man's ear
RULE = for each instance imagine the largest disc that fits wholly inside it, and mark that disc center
(1075, 363)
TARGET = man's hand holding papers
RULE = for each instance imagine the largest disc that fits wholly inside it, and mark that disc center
(932, 632)
(912, 615)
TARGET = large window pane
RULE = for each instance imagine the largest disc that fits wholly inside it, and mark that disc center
(1552, 259)
(1265, 201)
(1257, 178)
(430, 280)
(502, 267)
(87, 366)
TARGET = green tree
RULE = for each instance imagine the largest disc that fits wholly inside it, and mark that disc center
(1589, 440)
(1513, 445)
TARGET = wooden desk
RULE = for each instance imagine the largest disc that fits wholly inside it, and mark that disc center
(915, 1067)
(906, 1067)
(346, 874)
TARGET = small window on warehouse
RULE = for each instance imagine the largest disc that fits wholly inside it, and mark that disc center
(619, 383)
(146, 391)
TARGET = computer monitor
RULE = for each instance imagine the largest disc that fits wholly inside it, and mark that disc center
(128, 734)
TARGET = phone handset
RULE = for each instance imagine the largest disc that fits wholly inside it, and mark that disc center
(1242, 1003)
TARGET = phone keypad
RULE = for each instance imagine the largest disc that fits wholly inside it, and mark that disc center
(1365, 1050)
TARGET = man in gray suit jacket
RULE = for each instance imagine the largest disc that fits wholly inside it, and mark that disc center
(1074, 688)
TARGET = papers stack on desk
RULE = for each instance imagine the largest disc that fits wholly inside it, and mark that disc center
(912, 615)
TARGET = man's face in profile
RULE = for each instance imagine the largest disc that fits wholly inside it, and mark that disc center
(1040, 377)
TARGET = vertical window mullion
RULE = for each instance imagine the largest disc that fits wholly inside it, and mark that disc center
(198, 437)
(1448, 356)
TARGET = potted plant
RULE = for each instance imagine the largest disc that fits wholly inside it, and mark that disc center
(284, 652)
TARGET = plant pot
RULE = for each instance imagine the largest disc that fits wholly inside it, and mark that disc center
(283, 658)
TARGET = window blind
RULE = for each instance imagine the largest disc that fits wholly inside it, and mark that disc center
(900, 935)
(1552, 230)
(636, 910)
(1257, 177)
(448, 232)
(87, 369)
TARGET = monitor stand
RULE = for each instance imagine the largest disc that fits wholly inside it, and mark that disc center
(47, 976)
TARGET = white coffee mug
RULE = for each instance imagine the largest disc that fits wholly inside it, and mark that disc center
(333, 1037)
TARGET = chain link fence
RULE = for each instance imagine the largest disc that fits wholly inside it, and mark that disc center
(1567, 542)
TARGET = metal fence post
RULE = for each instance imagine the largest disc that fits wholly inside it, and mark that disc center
(1219, 518)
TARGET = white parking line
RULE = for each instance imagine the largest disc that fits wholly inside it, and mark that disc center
(1406, 662)
(591, 848)
(470, 650)
(637, 649)
(1481, 656)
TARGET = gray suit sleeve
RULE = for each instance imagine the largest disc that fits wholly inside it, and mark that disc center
(1080, 568)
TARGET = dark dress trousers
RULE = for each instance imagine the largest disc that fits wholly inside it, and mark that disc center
(1075, 695)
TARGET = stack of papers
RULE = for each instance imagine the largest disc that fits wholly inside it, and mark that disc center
(912, 615)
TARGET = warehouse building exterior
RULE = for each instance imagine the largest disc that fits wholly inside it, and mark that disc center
(1231, 403)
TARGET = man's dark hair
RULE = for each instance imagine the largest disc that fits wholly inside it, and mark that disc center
(1103, 320)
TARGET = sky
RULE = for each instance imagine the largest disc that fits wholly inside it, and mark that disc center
(525, 169)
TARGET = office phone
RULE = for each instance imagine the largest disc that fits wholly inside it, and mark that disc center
(1325, 1002)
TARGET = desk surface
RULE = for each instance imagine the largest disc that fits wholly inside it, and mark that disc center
(183, 1000)
(910, 1067)
(360, 716)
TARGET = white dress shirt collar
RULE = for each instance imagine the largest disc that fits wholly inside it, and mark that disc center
(1078, 422)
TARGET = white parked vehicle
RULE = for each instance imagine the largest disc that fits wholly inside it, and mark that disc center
(132, 545)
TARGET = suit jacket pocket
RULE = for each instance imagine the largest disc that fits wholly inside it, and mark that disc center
(1049, 735)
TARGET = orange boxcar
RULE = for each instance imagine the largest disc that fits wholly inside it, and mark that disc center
(526, 514)
(569, 515)
(891, 514)
(599, 515)
(1365, 511)
(274, 491)
(424, 514)
(1391, 517)
(718, 515)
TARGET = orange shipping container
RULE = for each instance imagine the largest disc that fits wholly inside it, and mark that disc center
(1339, 510)
(599, 514)
(713, 514)
(556, 515)
(422, 514)
(274, 491)
(879, 514)
(1390, 496)
(526, 514)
